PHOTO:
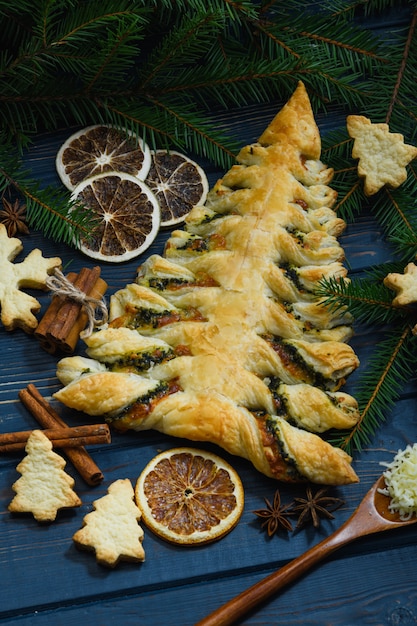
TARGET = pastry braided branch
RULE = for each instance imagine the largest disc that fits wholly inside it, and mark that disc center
(222, 339)
(276, 448)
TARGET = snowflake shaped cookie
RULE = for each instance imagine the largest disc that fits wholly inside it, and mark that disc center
(17, 307)
(383, 156)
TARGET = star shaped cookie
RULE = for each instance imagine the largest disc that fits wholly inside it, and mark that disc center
(383, 156)
(405, 285)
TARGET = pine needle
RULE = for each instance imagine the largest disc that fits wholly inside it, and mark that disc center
(368, 300)
(388, 370)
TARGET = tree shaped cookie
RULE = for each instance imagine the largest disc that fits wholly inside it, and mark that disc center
(112, 529)
(17, 307)
(383, 156)
(44, 487)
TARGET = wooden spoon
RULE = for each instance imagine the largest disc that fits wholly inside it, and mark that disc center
(371, 516)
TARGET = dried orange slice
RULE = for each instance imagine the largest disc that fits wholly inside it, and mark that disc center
(178, 183)
(127, 214)
(189, 496)
(99, 149)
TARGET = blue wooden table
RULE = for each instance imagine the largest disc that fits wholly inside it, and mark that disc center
(46, 580)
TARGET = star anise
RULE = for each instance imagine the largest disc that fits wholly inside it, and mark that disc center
(275, 516)
(13, 216)
(314, 506)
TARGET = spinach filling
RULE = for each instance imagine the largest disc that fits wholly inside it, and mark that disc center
(273, 428)
(161, 284)
(273, 383)
(150, 318)
(194, 244)
(141, 361)
(159, 391)
(207, 219)
(292, 360)
(291, 273)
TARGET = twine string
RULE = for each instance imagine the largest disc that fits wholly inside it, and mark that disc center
(96, 308)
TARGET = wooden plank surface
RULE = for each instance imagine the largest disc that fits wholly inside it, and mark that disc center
(46, 580)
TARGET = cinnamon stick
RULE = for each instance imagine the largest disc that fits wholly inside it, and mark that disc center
(69, 311)
(47, 417)
(69, 437)
(65, 319)
(42, 330)
(67, 344)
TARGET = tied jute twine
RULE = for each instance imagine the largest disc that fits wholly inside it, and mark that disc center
(95, 308)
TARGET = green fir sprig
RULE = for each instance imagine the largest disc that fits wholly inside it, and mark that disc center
(391, 365)
(165, 69)
(48, 208)
(367, 299)
(388, 370)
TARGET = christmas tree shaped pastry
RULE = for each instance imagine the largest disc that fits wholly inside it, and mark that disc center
(223, 338)
(112, 529)
(383, 156)
(44, 487)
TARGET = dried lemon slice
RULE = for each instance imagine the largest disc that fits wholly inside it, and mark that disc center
(189, 496)
(99, 149)
(127, 213)
(178, 183)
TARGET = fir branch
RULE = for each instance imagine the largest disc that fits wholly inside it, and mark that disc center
(224, 41)
(397, 217)
(377, 273)
(52, 212)
(161, 126)
(402, 67)
(369, 301)
(190, 39)
(337, 148)
(379, 387)
(70, 62)
(49, 210)
(141, 74)
(349, 8)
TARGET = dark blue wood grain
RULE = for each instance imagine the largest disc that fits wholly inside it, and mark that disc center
(46, 580)
(61, 576)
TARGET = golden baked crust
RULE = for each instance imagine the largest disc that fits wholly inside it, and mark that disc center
(111, 530)
(44, 487)
(105, 393)
(250, 359)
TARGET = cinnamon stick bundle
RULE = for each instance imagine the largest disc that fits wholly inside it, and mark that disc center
(48, 418)
(65, 319)
(69, 437)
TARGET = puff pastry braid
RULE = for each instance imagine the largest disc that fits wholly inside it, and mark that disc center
(222, 339)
